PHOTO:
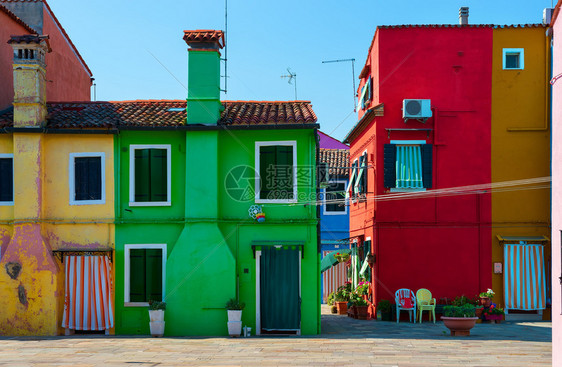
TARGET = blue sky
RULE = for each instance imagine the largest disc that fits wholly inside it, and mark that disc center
(124, 41)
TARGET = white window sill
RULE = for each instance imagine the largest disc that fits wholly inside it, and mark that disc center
(266, 201)
(135, 304)
(407, 190)
(87, 202)
(335, 213)
(150, 203)
(6, 203)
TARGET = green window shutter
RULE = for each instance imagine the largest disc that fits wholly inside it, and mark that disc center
(142, 175)
(389, 165)
(284, 168)
(408, 166)
(267, 171)
(158, 175)
(137, 275)
(427, 165)
(154, 274)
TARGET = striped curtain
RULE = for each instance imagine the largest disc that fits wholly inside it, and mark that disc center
(524, 277)
(87, 299)
(408, 167)
(333, 278)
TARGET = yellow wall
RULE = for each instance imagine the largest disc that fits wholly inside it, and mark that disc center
(46, 221)
(6, 212)
(520, 140)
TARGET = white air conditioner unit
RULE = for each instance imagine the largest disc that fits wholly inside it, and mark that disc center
(547, 15)
(419, 109)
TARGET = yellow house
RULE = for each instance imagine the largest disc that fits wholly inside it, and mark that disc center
(56, 204)
(521, 166)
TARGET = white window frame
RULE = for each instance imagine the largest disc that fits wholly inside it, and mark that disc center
(408, 142)
(513, 51)
(360, 170)
(161, 246)
(9, 203)
(325, 211)
(72, 183)
(291, 143)
(132, 149)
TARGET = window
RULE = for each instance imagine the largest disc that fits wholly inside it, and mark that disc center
(6, 179)
(86, 178)
(358, 181)
(276, 163)
(145, 273)
(366, 94)
(408, 165)
(150, 176)
(513, 59)
(334, 198)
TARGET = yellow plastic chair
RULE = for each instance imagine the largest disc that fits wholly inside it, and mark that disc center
(425, 302)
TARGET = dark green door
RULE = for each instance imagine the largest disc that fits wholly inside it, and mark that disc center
(279, 289)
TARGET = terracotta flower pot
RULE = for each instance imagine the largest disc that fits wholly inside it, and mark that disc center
(342, 308)
(459, 326)
(362, 312)
(485, 301)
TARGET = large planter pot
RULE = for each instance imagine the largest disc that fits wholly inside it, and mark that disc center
(494, 318)
(459, 326)
(234, 328)
(386, 316)
(157, 328)
(342, 308)
(156, 315)
(362, 312)
(234, 315)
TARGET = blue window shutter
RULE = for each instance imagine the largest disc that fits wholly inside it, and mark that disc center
(427, 165)
(389, 165)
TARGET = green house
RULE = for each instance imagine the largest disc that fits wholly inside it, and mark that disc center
(215, 200)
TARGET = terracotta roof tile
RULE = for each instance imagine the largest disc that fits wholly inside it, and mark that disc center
(204, 35)
(162, 113)
(337, 159)
(265, 112)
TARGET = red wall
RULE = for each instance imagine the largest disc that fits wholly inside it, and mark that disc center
(8, 27)
(439, 243)
(68, 78)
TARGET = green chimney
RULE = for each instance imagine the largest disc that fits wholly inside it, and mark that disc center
(203, 72)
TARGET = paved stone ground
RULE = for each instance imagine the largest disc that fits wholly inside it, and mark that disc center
(343, 342)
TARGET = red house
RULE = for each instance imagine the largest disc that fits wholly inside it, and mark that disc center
(69, 77)
(424, 108)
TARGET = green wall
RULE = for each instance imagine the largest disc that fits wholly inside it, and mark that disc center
(209, 235)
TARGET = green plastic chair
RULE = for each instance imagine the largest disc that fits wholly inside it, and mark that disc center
(425, 303)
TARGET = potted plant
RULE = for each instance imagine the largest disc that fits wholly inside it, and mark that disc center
(342, 297)
(486, 298)
(493, 314)
(385, 308)
(341, 257)
(361, 306)
(156, 313)
(234, 311)
(331, 302)
(459, 319)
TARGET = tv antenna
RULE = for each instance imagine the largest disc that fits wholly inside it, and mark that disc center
(225, 59)
(291, 76)
(353, 76)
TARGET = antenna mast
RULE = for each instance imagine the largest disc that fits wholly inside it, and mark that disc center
(291, 76)
(225, 76)
(353, 76)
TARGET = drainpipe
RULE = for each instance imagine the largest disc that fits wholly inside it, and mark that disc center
(318, 229)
